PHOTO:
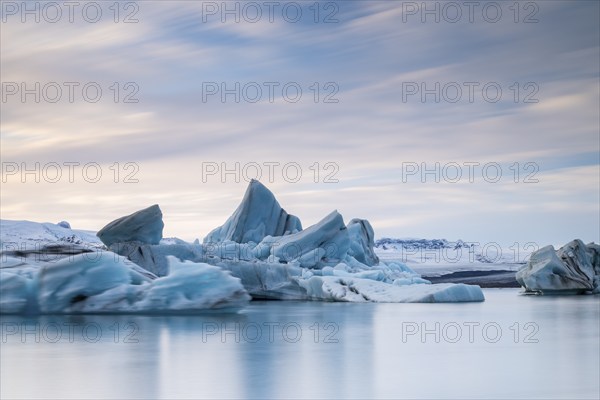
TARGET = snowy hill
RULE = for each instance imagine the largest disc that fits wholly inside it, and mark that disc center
(28, 235)
(435, 257)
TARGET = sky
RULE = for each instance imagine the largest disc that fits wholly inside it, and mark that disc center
(457, 120)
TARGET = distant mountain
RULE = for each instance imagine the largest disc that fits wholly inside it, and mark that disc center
(412, 243)
(444, 256)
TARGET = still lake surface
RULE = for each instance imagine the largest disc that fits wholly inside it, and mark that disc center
(510, 346)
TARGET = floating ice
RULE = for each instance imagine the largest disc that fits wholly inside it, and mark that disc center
(15, 292)
(193, 286)
(289, 282)
(574, 268)
(324, 243)
(362, 240)
(259, 215)
(261, 250)
(144, 226)
(154, 257)
(365, 290)
(104, 282)
(265, 280)
(64, 224)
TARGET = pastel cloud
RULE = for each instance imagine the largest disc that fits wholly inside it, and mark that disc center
(369, 54)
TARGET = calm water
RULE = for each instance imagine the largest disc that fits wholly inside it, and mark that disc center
(511, 346)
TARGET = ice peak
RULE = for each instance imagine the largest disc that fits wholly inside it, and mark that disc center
(145, 226)
(258, 215)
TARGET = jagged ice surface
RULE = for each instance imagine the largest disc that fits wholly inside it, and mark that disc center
(104, 282)
(259, 215)
(574, 268)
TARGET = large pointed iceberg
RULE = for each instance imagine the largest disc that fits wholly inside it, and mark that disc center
(328, 261)
(259, 215)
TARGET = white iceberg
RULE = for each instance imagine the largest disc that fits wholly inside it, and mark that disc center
(365, 290)
(290, 282)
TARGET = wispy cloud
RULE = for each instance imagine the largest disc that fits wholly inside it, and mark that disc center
(370, 55)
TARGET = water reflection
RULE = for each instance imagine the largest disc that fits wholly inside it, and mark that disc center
(324, 350)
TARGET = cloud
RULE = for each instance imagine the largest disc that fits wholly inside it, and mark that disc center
(369, 55)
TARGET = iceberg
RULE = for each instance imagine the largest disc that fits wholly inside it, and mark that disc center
(64, 224)
(15, 291)
(366, 290)
(144, 226)
(193, 286)
(573, 269)
(362, 241)
(327, 261)
(259, 215)
(289, 282)
(325, 243)
(261, 251)
(154, 257)
(264, 280)
(104, 282)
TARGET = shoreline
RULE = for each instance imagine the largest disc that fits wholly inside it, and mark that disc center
(485, 279)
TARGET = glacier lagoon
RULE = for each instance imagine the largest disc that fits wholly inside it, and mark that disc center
(510, 346)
